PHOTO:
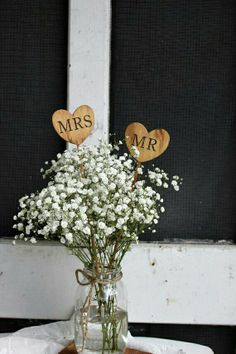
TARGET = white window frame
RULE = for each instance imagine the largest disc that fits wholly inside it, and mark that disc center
(179, 283)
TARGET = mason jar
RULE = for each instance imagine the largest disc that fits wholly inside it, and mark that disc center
(101, 320)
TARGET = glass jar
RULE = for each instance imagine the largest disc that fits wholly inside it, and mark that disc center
(101, 321)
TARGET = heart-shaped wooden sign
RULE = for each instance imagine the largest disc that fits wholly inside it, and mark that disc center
(149, 144)
(75, 127)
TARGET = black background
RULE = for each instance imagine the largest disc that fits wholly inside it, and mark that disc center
(173, 67)
(33, 72)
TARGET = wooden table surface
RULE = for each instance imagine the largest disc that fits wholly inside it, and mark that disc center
(70, 349)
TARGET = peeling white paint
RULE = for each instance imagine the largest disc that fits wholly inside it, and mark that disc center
(195, 286)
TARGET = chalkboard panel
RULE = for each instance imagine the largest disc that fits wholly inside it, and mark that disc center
(33, 71)
(173, 67)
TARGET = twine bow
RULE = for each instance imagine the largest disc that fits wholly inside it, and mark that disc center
(95, 278)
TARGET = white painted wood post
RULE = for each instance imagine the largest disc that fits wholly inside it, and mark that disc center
(167, 283)
(89, 60)
(171, 282)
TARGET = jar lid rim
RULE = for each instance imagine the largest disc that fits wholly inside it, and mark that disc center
(103, 271)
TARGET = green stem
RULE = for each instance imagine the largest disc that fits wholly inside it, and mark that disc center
(107, 313)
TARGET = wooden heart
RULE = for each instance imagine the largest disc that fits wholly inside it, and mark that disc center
(150, 144)
(75, 127)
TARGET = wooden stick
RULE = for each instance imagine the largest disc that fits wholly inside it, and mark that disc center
(135, 175)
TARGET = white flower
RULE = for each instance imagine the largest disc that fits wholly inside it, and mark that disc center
(126, 200)
(112, 186)
(64, 224)
(62, 240)
(95, 179)
(159, 182)
(65, 207)
(135, 150)
(83, 216)
(74, 205)
(39, 203)
(118, 209)
(20, 226)
(55, 226)
(109, 230)
(128, 163)
(140, 171)
(55, 206)
(79, 225)
(48, 200)
(69, 237)
(79, 184)
(101, 225)
(87, 230)
(91, 198)
(104, 178)
(95, 199)
(158, 196)
(83, 209)
(71, 169)
(28, 229)
(72, 214)
(120, 223)
(122, 176)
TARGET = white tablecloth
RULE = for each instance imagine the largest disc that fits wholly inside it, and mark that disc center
(52, 338)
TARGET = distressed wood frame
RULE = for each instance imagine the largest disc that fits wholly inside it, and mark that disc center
(180, 283)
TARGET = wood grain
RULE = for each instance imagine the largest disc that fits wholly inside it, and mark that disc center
(70, 349)
(76, 127)
(150, 144)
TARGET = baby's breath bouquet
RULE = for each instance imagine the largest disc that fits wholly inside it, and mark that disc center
(96, 203)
